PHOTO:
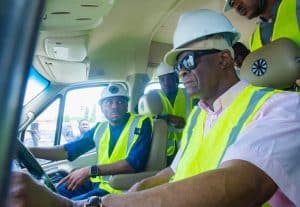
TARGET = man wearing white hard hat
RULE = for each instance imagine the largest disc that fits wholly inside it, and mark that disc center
(176, 106)
(234, 149)
(240, 146)
(122, 144)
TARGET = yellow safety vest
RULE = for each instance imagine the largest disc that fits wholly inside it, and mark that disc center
(128, 137)
(285, 25)
(180, 108)
(201, 152)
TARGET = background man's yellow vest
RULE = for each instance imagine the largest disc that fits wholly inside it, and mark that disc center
(180, 108)
(286, 25)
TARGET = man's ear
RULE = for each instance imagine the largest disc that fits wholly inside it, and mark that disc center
(226, 60)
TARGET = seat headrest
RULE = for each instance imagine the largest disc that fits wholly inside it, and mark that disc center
(275, 65)
(150, 104)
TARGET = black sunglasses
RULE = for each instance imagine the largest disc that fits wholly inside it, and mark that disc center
(188, 62)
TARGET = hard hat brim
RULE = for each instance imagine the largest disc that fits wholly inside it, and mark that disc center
(214, 42)
(171, 56)
(102, 99)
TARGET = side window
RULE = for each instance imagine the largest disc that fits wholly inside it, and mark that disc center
(81, 113)
(41, 132)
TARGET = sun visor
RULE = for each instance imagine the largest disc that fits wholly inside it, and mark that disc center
(68, 49)
(60, 71)
(74, 15)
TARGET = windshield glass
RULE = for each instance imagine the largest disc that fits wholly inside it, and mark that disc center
(35, 84)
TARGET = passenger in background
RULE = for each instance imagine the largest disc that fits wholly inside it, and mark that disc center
(35, 133)
(83, 126)
(122, 144)
(176, 106)
(240, 53)
(278, 19)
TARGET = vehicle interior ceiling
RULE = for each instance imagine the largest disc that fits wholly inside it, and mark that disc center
(113, 40)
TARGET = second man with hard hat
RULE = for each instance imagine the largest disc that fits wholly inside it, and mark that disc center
(176, 106)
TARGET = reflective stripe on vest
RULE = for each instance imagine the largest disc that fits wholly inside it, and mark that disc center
(98, 133)
(285, 25)
(188, 103)
(182, 99)
(205, 152)
(126, 140)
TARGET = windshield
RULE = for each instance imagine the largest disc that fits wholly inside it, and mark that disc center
(35, 84)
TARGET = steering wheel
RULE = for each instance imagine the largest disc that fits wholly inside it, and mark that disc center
(26, 159)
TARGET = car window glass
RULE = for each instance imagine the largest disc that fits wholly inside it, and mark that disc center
(81, 105)
(41, 132)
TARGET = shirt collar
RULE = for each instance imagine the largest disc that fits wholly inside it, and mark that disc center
(225, 99)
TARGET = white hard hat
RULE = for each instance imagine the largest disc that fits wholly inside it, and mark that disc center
(164, 69)
(113, 90)
(201, 25)
(227, 6)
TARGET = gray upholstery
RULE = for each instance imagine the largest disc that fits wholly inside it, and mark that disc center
(275, 65)
(149, 104)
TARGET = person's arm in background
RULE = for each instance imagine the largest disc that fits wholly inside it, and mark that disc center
(160, 178)
(175, 121)
(49, 153)
(69, 151)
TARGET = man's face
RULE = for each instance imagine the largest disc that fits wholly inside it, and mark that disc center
(114, 109)
(201, 81)
(298, 82)
(84, 126)
(168, 83)
(247, 8)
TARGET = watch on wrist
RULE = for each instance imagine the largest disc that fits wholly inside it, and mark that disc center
(94, 201)
(94, 171)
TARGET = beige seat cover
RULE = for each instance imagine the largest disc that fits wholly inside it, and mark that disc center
(275, 65)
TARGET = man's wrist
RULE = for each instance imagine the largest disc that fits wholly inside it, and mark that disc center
(94, 201)
(94, 171)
